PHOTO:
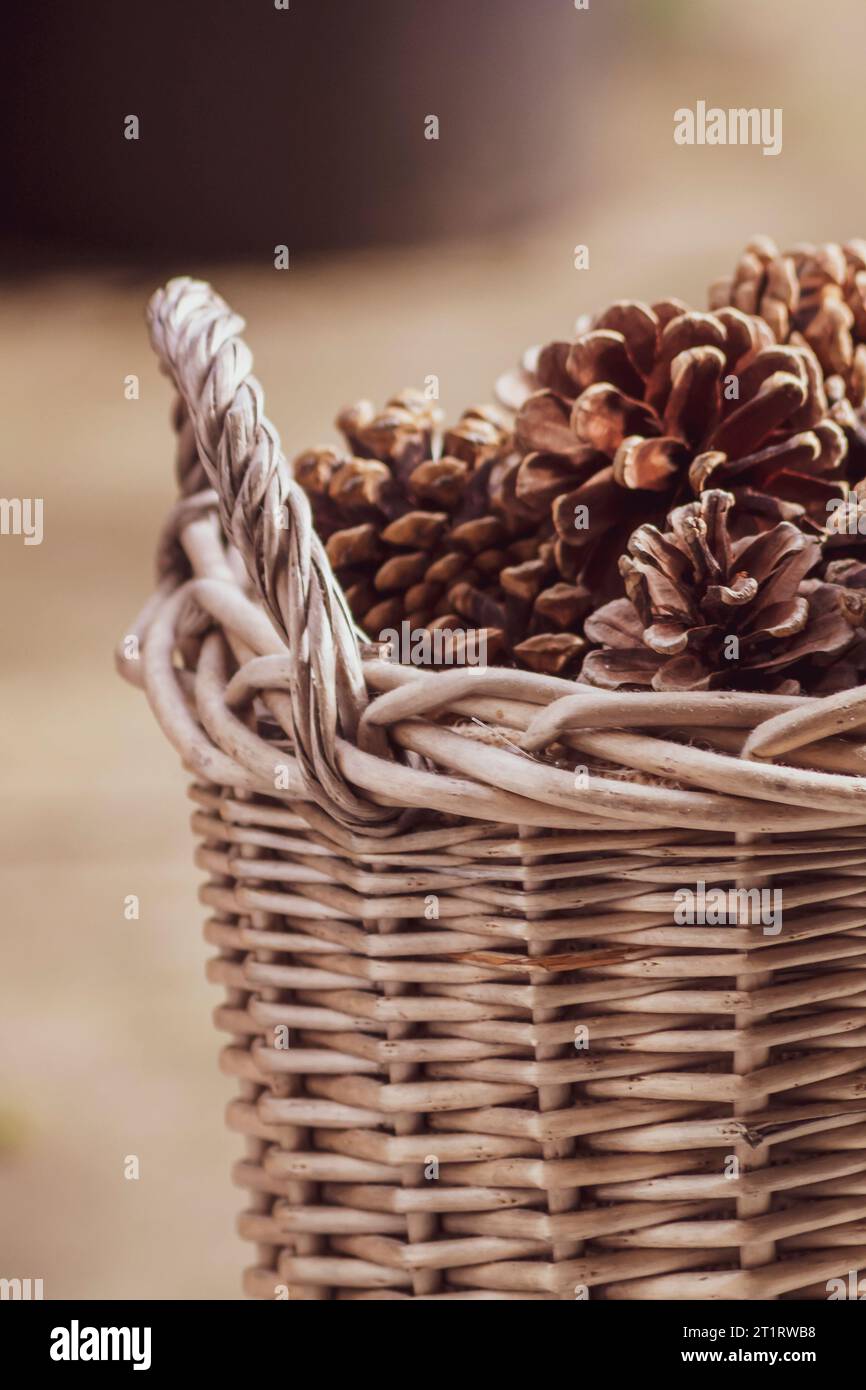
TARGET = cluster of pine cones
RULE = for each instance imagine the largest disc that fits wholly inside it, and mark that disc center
(673, 500)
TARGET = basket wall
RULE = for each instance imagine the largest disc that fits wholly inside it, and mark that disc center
(432, 1129)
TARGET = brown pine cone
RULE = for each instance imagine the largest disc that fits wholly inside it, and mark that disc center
(425, 530)
(848, 578)
(649, 406)
(707, 611)
(815, 295)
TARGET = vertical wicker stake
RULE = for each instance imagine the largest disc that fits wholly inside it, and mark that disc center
(258, 1143)
(559, 1199)
(281, 1086)
(746, 1062)
(420, 1224)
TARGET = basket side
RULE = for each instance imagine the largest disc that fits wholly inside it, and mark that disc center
(495, 1066)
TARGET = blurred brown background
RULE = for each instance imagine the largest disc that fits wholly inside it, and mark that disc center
(409, 257)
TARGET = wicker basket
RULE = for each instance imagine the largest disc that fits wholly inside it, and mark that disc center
(478, 1056)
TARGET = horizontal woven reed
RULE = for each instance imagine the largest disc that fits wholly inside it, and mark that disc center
(432, 879)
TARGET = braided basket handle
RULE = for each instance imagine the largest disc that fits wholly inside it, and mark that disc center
(266, 515)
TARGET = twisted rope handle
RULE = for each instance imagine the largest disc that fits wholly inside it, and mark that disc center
(267, 516)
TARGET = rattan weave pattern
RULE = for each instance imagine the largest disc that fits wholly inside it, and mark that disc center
(510, 1072)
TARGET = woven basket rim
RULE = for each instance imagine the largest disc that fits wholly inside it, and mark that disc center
(371, 738)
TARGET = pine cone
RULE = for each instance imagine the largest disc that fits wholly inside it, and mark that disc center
(848, 578)
(707, 611)
(649, 406)
(815, 295)
(425, 530)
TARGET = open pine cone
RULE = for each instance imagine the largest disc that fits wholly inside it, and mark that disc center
(422, 528)
(848, 578)
(649, 406)
(815, 295)
(707, 611)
